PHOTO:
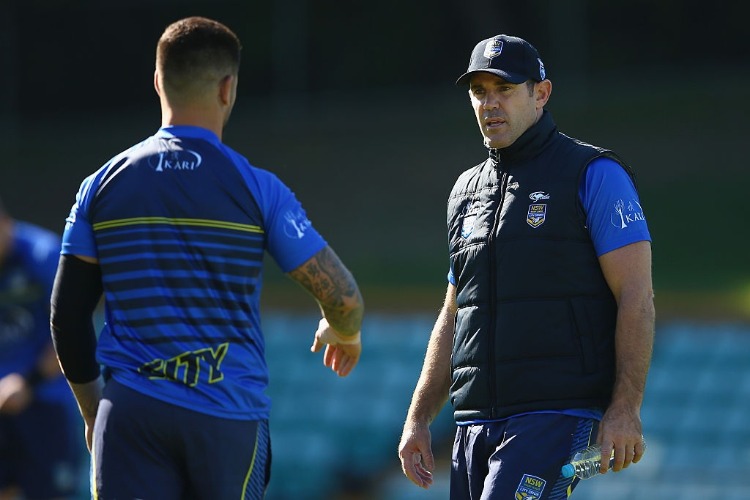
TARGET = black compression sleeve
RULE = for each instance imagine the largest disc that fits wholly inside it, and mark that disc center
(75, 294)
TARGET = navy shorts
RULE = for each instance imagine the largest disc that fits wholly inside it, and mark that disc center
(146, 448)
(43, 450)
(519, 457)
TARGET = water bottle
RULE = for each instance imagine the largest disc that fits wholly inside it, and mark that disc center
(585, 463)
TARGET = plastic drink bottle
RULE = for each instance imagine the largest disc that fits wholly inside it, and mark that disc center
(585, 463)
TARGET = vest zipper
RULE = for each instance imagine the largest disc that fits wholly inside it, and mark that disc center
(493, 291)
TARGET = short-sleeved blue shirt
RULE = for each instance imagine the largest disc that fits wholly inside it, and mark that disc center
(179, 224)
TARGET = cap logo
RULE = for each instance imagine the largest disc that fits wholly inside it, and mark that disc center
(542, 72)
(493, 48)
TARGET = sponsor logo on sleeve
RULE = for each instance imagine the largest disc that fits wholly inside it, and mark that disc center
(296, 224)
(626, 212)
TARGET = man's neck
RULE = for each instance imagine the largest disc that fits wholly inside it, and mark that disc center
(195, 117)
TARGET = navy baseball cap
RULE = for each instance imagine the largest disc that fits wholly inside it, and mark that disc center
(511, 58)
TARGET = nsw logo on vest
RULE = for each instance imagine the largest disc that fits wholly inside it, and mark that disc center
(537, 213)
(530, 487)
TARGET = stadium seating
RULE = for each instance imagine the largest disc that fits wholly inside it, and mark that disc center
(695, 419)
(336, 438)
(331, 435)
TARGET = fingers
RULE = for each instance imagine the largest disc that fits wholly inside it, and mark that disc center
(317, 345)
(415, 469)
(620, 430)
(340, 360)
(415, 453)
(623, 457)
(639, 450)
(606, 452)
(341, 355)
(625, 454)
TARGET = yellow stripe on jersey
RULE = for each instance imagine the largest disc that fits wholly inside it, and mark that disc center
(134, 221)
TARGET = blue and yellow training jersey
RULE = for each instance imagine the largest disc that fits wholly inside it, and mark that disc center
(180, 224)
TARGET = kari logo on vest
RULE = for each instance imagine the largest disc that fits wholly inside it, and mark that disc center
(295, 224)
(172, 156)
(626, 213)
(530, 487)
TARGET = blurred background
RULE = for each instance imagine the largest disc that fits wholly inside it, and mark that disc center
(353, 105)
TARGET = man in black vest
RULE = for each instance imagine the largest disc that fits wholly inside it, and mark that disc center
(544, 340)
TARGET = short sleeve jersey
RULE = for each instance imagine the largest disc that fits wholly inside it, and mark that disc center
(179, 224)
(614, 215)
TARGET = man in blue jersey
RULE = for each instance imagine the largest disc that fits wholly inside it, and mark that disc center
(40, 454)
(173, 231)
(545, 336)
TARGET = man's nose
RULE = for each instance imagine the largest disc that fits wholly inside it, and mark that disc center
(491, 101)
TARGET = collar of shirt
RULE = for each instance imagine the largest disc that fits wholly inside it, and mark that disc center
(189, 131)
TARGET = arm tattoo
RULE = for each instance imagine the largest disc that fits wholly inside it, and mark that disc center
(335, 289)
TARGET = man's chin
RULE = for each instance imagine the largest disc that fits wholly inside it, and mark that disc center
(496, 143)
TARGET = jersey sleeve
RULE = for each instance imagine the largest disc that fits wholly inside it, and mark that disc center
(451, 277)
(291, 238)
(614, 215)
(78, 236)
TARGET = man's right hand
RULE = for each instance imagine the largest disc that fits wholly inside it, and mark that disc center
(415, 452)
(342, 352)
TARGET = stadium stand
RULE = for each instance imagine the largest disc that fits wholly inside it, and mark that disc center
(337, 438)
(331, 433)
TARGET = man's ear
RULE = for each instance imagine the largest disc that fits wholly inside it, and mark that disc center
(542, 91)
(226, 89)
(156, 82)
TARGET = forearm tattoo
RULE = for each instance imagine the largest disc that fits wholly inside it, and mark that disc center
(334, 287)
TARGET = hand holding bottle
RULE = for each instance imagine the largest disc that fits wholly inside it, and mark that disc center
(586, 463)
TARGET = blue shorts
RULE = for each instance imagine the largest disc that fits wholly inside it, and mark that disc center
(146, 448)
(43, 451)
(519, 457)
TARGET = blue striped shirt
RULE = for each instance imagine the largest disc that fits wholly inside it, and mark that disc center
(180, 224)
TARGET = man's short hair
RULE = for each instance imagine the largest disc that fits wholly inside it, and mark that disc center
(194, 53)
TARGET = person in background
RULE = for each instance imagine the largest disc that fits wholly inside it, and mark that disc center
(544, 340)
(173, 232)
(40, 454)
